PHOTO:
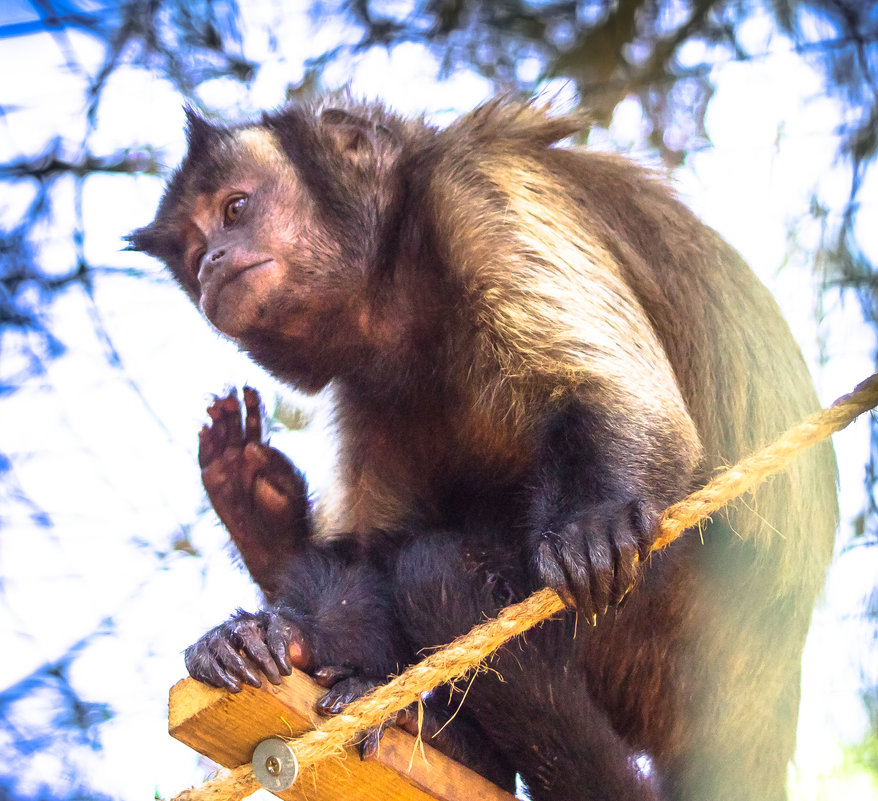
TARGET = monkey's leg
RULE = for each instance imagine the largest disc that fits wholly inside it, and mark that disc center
(329, 610)
(543, 717)
(453, 731)
(532, 710)
(256, 491)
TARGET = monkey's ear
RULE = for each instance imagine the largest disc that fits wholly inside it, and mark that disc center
(200, 134)
(351, 135)
(145, 240)
(358, 139)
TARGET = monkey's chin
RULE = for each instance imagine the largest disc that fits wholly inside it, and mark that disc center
(241, 304)
(232, 323)
(235, 318)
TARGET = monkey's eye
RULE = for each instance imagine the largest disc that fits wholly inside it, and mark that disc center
(233, 209)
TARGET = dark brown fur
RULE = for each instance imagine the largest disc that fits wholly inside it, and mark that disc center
(533, 350)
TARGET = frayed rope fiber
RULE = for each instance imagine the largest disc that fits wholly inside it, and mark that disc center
(754, 469)
(466, 653)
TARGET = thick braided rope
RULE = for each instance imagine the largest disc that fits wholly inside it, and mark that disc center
(227, 785)
(754, 469)
(467, 652)
(450, 663)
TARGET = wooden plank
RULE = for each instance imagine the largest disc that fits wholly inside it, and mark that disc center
(226, 727)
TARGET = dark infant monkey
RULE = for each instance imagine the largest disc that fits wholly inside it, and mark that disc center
(532, 351)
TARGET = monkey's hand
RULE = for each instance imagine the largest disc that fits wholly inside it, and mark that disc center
(246, 647)
(256, 491)
(593, 561)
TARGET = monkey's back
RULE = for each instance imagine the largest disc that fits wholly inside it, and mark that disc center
(734, 361)
(738, 366)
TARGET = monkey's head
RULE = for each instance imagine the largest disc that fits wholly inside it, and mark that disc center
(277, 232)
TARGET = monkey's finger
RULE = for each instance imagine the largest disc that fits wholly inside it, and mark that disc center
(370, 744)
(213, 660)
(211, 438)
(253, 460)
(414, 722)
(279, 489)
(282, 474)
(271, 465)
(341, 694)
(549, 568)
(217, 409)
(626, 560)
(232, 420)
(566, 568)
(601, 573)
(643, 522)
(407, 719)
(286, 644)
(253, 419)
(332, 703)
(299, 654)
(207, 449)
(221, 479)
(202, 667)
(233, 666)
(285, 475)
(225, 415)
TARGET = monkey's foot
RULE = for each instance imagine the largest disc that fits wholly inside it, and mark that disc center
(348, 686)
(441, 727)
(345, 685)
(247, 647)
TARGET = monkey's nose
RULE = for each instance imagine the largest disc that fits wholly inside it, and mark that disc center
(208, 262)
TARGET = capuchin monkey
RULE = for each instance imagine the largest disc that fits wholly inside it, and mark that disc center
(532, 351)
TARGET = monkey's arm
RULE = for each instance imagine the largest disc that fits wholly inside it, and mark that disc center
(258, 494)
(598, 492)
(583, 364)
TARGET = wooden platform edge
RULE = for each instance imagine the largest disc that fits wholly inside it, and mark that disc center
(226, 727)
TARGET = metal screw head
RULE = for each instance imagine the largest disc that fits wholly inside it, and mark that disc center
(274, 764)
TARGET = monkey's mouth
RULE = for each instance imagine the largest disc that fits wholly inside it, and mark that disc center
(220, 289)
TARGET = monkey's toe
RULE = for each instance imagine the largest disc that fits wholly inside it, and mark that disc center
(246, 649)
(343, 692)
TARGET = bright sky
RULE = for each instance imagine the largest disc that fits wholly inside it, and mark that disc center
(116, 469)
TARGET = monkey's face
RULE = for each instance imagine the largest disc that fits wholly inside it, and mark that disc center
(242, 234)
(285, 234)
(253, 258)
